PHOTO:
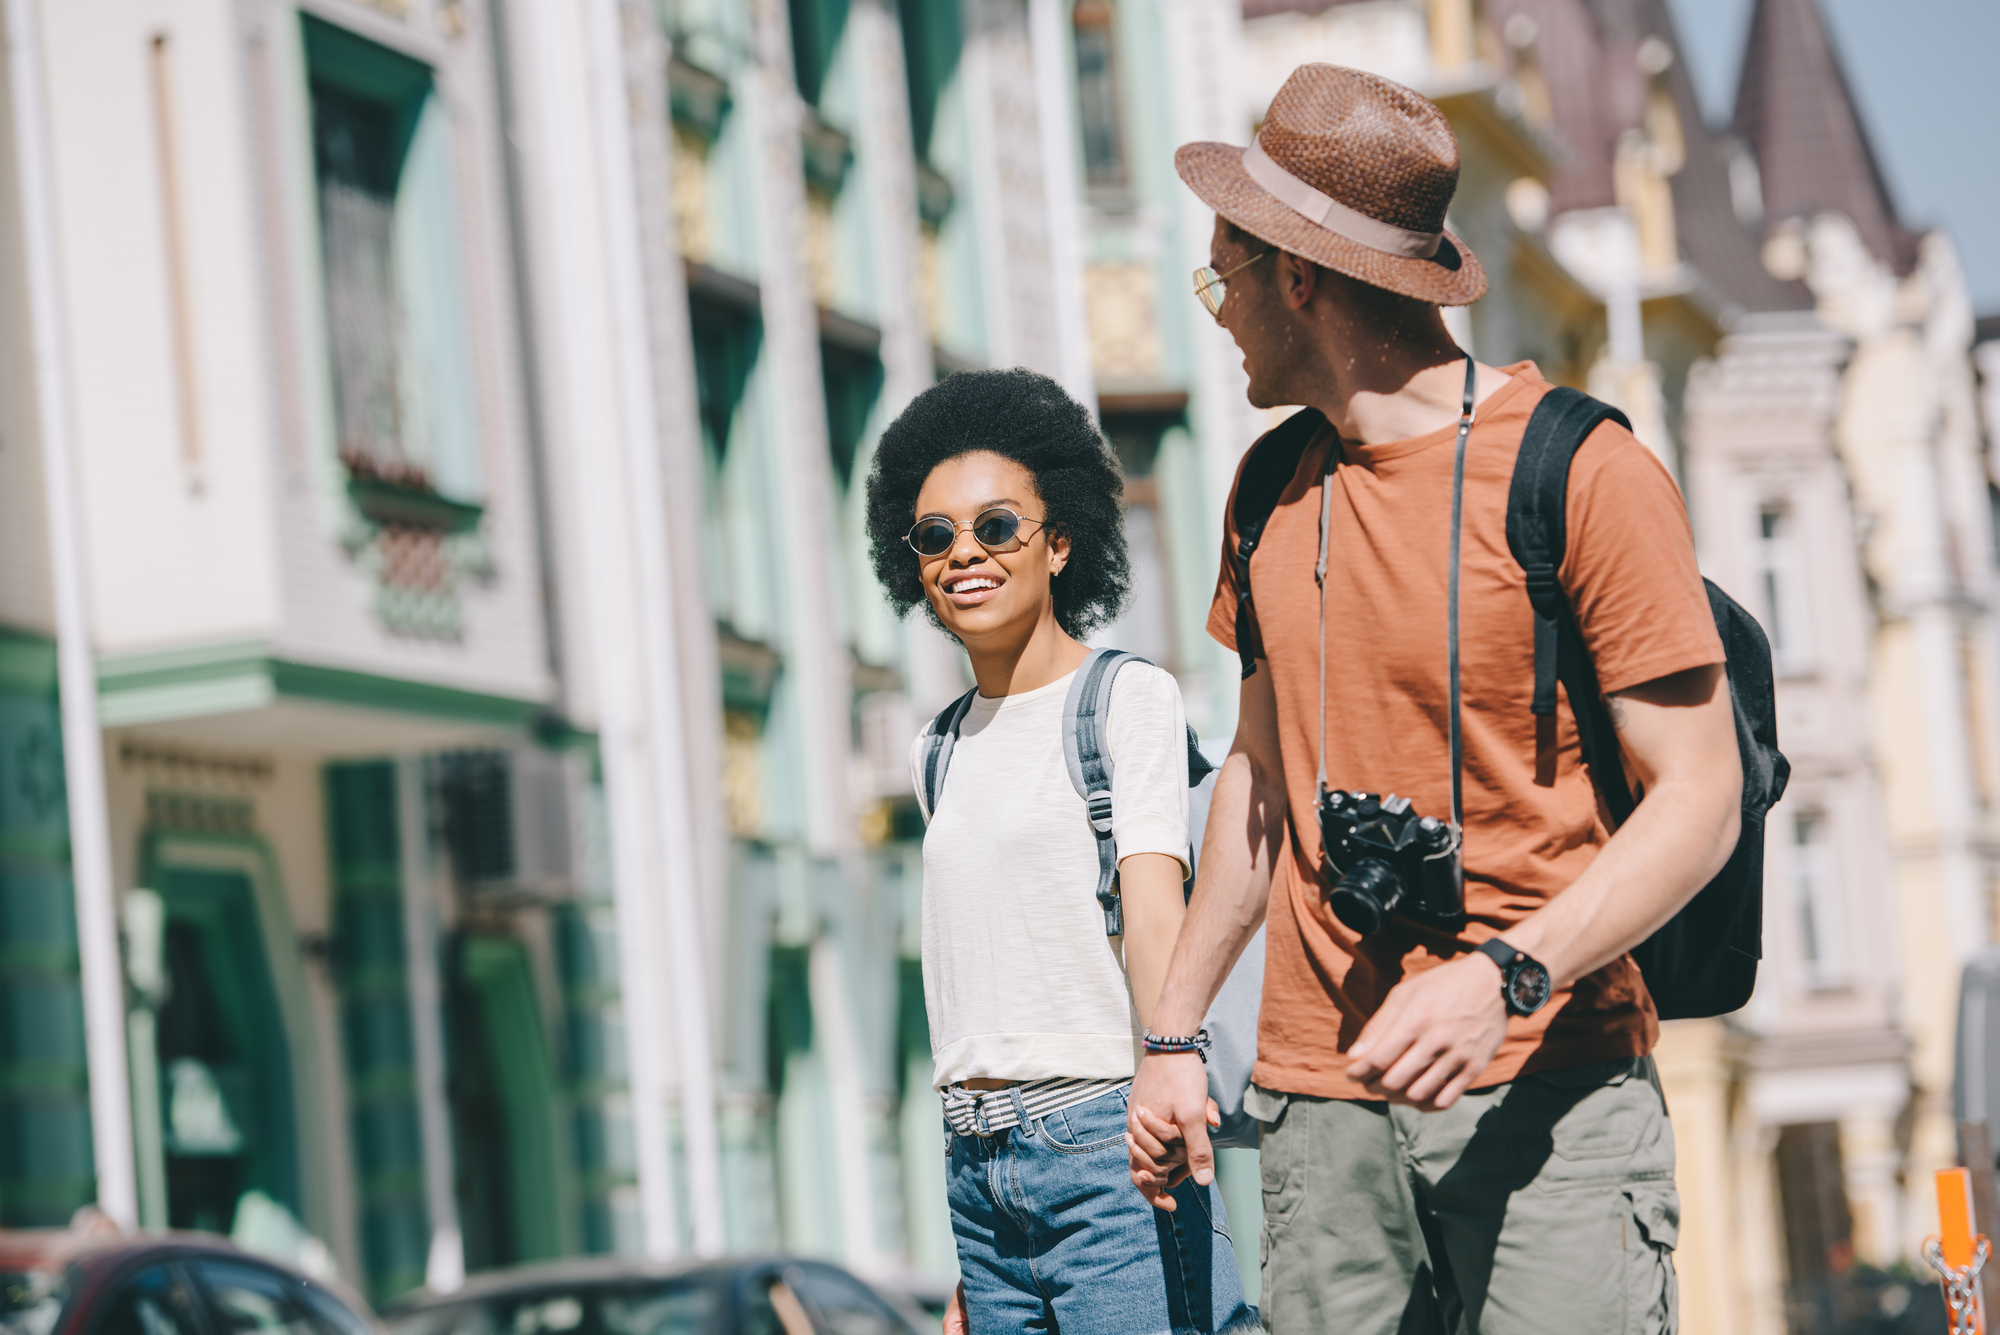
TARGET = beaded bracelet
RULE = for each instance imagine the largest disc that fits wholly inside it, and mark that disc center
(1197, 1043)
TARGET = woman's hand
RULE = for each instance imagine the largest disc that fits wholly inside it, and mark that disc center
(954, 1313)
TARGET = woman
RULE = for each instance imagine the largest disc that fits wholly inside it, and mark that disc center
(994, 505)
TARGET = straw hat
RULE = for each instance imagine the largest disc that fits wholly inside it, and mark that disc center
(1351, 171)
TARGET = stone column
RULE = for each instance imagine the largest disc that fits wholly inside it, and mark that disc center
(817, 661)
(1200, 37)
(672, 346)
(1695, 1061)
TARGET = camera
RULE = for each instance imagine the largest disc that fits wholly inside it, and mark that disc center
(1383, 860)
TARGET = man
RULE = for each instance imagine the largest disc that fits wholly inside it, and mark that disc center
(1435, 1156)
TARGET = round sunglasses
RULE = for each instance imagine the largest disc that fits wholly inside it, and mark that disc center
(997, 530)
(1210, 285)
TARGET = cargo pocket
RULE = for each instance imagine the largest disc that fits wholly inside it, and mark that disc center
(1652, 1229)
(1281, 1164)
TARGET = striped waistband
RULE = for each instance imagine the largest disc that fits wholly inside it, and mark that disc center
(985, 1112)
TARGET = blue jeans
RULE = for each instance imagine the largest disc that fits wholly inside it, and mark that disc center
(1052, 1236)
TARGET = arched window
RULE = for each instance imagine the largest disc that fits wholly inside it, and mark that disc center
(1097, 95)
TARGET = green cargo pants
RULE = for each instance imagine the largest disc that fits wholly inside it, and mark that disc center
(1541, 1207)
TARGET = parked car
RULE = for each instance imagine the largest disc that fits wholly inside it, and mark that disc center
(601, 1296)
(102, 1282)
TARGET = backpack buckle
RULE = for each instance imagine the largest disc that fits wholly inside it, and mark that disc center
(1099, 803)
(1544, 590)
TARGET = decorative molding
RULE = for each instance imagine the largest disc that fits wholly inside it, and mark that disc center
(229, 678)
(190, 765)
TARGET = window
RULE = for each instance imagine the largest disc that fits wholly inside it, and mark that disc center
(930, 59)
(853, 381)
(1812, 1199)
(153, 1302)
(816, 30)
(844, 1305)
(728, 336)
(334, 1316)
(1147, 625)
(398, 342)
(250, 1300)
(1781, 589)
(403, 398)
(32, 1300)
(1097, 95)
(1822, 943)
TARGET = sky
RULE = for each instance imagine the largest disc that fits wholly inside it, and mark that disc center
(1924, 72)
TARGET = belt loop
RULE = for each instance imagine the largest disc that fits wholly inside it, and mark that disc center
(1020, 1108)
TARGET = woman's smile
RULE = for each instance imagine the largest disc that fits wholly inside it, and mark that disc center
(970, 588)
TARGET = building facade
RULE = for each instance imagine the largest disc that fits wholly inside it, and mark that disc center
(453, 796)
(486, 797)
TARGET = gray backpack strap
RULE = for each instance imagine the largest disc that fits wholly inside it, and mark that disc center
(938, 740)
(1084, 715)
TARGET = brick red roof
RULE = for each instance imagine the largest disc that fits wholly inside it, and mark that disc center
(1588, 51)
(1794, 108)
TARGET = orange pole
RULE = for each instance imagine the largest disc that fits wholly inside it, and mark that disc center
(1957, 1233)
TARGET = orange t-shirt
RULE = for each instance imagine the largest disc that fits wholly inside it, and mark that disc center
(1531, 814)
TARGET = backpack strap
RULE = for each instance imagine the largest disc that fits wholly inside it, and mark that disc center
(938, 740)
(1538, 536)
(1085, 711)
(1537, 502)
(1273, 461)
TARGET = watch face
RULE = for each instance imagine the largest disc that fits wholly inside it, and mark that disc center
(1528, 988)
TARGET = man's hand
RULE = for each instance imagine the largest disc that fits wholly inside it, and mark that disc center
(1434, 1034)
(955, 1322)
(1166, 1125)
(1436, 1031)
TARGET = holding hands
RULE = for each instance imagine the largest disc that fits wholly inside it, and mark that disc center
(1167, 1124)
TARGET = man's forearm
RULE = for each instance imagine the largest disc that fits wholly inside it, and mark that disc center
(1674, 844)
(1246, 821)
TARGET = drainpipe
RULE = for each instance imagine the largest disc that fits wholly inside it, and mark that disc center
(76, 668)
(553, 128)
(666, 733)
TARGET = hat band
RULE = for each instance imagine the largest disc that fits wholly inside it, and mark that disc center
(1333, 215)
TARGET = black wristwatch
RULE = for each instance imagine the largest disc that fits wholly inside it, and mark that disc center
(1524, 982)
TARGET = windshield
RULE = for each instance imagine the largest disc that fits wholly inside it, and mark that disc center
(679, 1307)
(31, 1300)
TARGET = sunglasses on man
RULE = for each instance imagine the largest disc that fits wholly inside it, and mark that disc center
(1211, 286)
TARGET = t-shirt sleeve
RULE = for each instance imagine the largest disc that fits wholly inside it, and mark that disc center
(917, 772)
(1148, 743)
(1629, 570)
(1222, 609)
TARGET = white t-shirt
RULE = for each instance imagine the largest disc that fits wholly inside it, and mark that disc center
(1019, 978)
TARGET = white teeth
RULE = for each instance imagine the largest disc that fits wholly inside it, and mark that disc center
(971, 585)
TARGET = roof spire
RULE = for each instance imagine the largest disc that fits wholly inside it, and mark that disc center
(1794, 109)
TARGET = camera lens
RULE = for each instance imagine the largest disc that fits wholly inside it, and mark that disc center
(1366, 896)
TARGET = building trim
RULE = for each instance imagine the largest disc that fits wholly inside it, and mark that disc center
(1161, 403)
(1519, 146)
(164, 685)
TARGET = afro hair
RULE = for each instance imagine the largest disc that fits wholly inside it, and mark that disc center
(1025, 417)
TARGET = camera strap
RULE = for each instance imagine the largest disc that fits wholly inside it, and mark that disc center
(1451, 600)
(1451, 614)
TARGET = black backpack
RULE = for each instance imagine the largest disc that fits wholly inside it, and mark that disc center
(1704, 960)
